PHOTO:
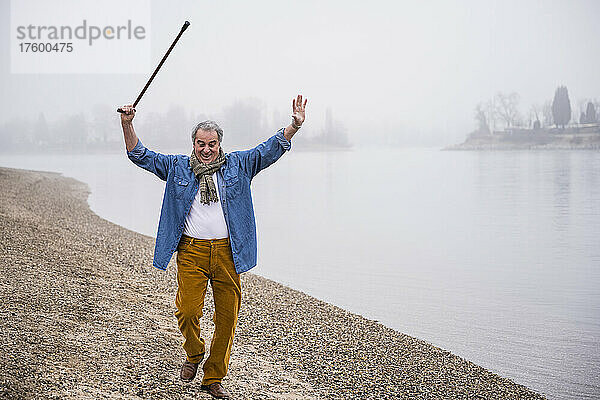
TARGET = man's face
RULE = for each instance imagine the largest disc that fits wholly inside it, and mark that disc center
(206, 146)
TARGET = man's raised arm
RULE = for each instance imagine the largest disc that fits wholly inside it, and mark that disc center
(131, 138)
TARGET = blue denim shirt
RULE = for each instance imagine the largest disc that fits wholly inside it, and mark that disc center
(233, 181)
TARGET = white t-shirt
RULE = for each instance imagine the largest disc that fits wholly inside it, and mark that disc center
(206, 221)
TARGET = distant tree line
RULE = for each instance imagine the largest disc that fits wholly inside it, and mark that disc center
(502, 111)
(245, 122)
(333, 135)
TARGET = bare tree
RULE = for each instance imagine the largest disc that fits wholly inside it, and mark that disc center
(482, 120)
(490, 113)
(507, 108)
(534, 116)
(581, 104)
(547, 112)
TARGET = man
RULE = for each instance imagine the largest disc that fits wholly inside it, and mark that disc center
(208, 218)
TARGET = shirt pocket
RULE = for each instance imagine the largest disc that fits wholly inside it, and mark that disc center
(232, 185)
(181, 184)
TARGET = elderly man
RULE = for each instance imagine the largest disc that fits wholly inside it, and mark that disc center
(208, 218)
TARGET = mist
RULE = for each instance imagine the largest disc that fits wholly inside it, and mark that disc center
(390, 73)
(492, 255)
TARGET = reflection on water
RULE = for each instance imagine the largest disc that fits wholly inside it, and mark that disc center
(492, 255)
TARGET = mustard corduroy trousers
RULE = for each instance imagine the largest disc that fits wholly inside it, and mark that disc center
(200, 261)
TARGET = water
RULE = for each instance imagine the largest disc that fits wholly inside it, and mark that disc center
(494, 256)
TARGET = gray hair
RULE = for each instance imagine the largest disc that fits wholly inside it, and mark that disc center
(208, 126)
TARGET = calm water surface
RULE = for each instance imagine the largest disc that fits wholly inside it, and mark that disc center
(494, 256)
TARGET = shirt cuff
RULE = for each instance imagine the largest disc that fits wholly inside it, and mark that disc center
(138, 150)
(287, 145)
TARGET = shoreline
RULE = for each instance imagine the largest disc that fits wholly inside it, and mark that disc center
(86, 315)
(530, 141)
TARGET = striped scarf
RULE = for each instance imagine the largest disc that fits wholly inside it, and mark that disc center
(208, 190)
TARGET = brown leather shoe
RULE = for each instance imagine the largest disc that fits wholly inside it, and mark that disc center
(188, 371)
(216, 390)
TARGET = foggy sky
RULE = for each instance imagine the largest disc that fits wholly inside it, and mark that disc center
(417, 67)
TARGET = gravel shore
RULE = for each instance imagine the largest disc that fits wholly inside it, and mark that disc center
(85, 315)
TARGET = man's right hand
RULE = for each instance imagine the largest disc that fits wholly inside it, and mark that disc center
(128, 114)
(131, 138)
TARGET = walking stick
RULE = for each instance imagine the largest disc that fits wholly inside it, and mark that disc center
(183, 28)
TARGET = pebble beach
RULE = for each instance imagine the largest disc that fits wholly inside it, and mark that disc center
(85, 315)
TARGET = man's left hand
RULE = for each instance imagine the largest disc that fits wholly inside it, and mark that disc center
(299, 110)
